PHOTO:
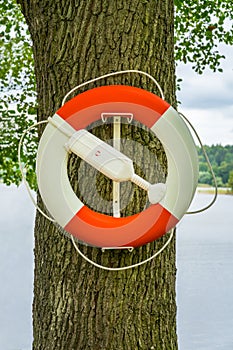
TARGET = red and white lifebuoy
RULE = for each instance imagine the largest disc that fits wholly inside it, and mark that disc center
(99, 229)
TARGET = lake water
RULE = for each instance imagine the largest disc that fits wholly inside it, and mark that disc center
(205, 276)
(204, 273)
(16, 268)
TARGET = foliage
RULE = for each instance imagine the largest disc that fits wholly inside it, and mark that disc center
(199, 26)
(221, 158)
(230, 180)
(17, 92)
(13, 126)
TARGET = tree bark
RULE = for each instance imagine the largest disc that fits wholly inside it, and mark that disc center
(78, 306)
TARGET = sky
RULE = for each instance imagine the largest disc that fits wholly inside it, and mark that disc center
(207, 100)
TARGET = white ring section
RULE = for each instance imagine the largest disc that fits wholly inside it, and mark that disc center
(182, 160)
(53, 182)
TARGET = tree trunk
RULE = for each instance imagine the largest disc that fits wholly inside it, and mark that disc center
(78, 306)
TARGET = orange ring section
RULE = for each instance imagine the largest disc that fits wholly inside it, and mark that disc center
(113, 94)
(107, 231)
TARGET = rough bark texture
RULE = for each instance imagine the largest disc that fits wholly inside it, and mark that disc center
(77, 306)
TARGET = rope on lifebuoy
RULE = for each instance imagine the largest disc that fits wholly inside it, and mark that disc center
(22, 170)
(123, 267)
(111, 75)
(209, 166)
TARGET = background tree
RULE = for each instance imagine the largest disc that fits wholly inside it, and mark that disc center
(230, 180)
(200, 26)
(221, 158)
(17, 92)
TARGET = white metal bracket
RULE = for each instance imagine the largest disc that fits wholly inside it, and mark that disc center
(106, 115)
(117, 145)
(130, 249)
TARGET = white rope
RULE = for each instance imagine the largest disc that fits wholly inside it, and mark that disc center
(209, 165)
(124, 267)
(54, 221)
(113, 74)
(22, 169)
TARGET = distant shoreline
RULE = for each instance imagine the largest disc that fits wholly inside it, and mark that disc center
(210, 190)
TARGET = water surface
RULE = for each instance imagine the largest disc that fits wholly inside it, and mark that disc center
(205, 276)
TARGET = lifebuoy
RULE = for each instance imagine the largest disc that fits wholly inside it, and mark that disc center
(99, 229)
